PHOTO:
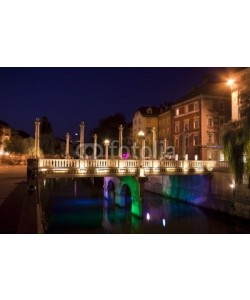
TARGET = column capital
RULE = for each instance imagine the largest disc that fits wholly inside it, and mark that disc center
(120, 127)
(82, 124)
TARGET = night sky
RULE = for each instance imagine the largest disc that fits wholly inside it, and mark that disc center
(68, 96)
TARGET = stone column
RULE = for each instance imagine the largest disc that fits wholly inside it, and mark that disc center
(82, 139)
(37, 138)
(67, 146)
(154, 143)
(120, 141)
(95, 146)
(165, 146)
(143, 146)
(106, 143)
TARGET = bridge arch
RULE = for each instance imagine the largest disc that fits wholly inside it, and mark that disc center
(123, 185)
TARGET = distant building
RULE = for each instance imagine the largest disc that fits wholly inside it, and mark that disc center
(240, 93)
(145, 118)
(5, 134)
(197, 119)
(165, 124)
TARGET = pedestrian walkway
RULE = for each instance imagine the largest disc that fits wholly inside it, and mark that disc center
(17, 209)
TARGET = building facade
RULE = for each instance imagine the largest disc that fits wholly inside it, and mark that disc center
(240, 93)
(146, 120)
(197, 120)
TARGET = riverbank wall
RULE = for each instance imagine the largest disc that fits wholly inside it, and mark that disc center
(214, 191)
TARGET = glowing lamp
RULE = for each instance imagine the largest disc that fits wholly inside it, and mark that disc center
(148, 216)
(230, 82)
(141, 133)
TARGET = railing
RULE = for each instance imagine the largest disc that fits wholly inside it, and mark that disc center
(132, 166)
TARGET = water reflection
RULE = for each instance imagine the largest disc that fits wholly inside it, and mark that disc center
(77, 206)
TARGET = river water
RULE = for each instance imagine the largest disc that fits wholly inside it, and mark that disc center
(77, 205)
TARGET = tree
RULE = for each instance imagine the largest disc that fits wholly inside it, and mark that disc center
(108, 127)
(47, 141)
(20, 145)
(236, 142)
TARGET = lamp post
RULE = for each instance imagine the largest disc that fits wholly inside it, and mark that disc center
(82, 125)
(120, 140)
(141, 136)
(106, 143)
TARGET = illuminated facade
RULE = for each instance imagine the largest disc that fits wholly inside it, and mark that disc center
(197, 120)
(240, 93)
(146, 119)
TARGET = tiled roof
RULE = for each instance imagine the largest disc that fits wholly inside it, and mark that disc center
(145, 111)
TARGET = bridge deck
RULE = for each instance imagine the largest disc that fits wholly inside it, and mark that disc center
(116, 167)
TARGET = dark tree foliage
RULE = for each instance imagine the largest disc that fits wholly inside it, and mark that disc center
(236, 141)
(45, 127)
(108, 128)
(47, 141)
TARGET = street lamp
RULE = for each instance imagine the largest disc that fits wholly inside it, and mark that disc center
(106, 143)
(141, 136)
(230, 82)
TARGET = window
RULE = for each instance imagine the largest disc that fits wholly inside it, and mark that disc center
(186, 141)
(196, 140)
(191, 107)
(177, 112)
(186, 125)
(177, 127)
(135, 122)
(139, 121)
(149, 120)
(210, 121)
(196, 106)
(221, 105)
(196, 124)
(168, 121)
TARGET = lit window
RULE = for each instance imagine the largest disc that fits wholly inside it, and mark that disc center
(196, 124)
(177, 112)
(196, 140)
(177, 127)
(186, 125)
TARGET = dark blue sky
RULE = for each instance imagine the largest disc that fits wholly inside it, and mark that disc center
(70, 95)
